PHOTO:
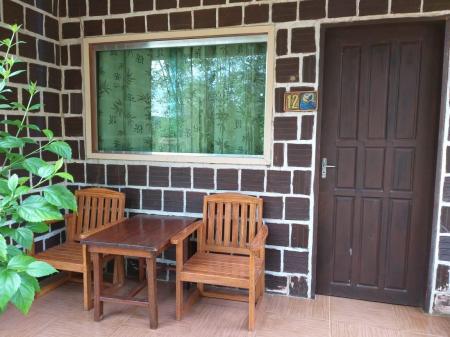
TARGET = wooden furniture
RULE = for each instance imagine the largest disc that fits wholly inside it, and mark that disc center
(98, 209)
(230, 251)
(142, 236)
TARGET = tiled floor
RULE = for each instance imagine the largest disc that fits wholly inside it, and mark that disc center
(60, 314)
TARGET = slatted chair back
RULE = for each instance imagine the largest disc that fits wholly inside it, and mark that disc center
(231, 221)
(97, 207)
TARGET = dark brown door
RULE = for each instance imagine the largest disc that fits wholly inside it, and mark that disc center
(379, 126)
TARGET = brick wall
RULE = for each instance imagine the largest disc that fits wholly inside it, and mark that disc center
(41, 60)
(286, 185)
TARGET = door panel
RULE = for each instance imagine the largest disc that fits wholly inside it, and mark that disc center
(379, 126)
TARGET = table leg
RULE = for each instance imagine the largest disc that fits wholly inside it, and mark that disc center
(97, 260)
(152, 296)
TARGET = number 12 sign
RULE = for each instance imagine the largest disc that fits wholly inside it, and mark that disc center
(300, 101)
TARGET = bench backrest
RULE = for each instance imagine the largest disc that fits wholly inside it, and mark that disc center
(97, 207)
(231, 221)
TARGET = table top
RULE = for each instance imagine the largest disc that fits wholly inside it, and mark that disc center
(141, 232)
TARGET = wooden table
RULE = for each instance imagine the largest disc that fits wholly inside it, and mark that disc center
(142, 236)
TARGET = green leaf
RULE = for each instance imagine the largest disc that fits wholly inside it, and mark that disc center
(5, 106)
(13, 251)
(23, 298)
(48, 133)
(17, 72)
(65, 175)
(60, 196)
(58, 164)
(21, 190)
(29, 140)
(40, 269)
(32, 127)
(4, 189)
(60, 148)
(36, 209)
(9, 283)
(13, 181)
(38, 227)
(15, 122)
(23, 236)
(33, 164)
(36, 106)
(3, 248)
(20, 262)
(10, 142)
(30, 280)
(45, 171)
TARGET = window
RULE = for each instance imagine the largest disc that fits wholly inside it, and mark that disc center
(181, 99)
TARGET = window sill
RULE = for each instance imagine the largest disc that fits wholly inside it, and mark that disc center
(183, 158)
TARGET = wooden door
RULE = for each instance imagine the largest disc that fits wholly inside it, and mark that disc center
(379, 128)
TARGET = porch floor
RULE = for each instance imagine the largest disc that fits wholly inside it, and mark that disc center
(60, 314)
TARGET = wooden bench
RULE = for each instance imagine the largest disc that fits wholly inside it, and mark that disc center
(98, 209)
(230, 251)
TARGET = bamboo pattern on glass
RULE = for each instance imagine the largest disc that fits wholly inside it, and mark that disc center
(199, 99)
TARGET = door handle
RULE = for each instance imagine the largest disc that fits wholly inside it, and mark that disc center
(325, 166)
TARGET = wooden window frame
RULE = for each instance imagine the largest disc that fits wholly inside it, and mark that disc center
(90, 96)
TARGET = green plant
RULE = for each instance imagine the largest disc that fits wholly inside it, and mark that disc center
(25, 204)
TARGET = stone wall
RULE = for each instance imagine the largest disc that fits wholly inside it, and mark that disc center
(41, 59)
(166, 188)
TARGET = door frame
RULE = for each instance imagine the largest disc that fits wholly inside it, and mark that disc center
(445, 20)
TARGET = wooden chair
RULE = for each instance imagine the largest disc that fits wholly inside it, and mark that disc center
(98, 209)
(230, 251)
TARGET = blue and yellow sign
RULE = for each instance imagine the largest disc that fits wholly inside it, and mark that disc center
(300, 101)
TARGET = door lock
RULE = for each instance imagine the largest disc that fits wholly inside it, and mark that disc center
(325, 166)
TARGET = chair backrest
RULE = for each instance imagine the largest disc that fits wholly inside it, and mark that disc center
(97, 207)
(231, 221)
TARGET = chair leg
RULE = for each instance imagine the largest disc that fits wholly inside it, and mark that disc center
(87, 290)
(179, 299)
(251, 307)
(141, 269)
(119, 271)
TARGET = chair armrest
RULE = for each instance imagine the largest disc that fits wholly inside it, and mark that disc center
(98, 230)
(179, 237)
(259, 240)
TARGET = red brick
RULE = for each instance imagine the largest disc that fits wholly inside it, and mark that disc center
(119, 6)
(151, 199)
(157, 22)
(205, 18)
(114, 26)
(256, 14)
(303, 40)
(282, 48)
(173, 201)
(137, 175)
(278, 154)
(296, 208)
(405, 6)
(285, 128)
(302, 182)
(295, 262)
(311, 9)
(230, 16)
(340, 8)
(283, 12)
(180, 20)
(299, 236)
(98, 7)
(135, 24)
(287, 70)
(299, 155)
(142, 5)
